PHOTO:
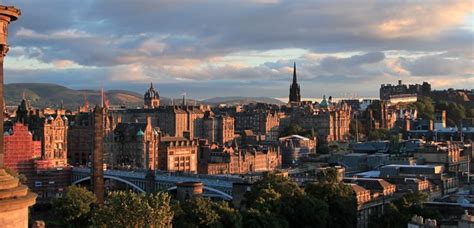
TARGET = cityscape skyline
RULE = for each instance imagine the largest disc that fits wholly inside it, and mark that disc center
(82, 46)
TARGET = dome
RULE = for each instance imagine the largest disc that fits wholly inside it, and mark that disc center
(324, 102)
(64, 118)
(140, 133)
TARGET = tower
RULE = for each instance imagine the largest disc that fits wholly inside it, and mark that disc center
(295, 96)
(151, 98)
(15, 198)
(98, 154)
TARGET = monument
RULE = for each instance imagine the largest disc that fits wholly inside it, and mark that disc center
(15, 198)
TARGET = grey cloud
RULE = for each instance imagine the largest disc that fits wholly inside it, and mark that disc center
(436, 65)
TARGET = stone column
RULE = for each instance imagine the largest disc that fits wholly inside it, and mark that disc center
(14, 197)
(98, 155)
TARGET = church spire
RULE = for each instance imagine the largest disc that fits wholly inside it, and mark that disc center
(295, 95)
(294, 73)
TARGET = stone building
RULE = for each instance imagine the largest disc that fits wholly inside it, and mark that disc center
(380, 115)
(449, 154)
(329, 121)
(234, 160)
(195, 115)
(175, 120)
(294, 147)
(50, 127)
(218, 128)
(386, 91)
(80, 139)
(151, 98)
(20, 149)
(178, 154)
(134, 145)
(264, 123)
(374, 185)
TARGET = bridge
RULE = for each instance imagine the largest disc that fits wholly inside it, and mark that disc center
(214, 185)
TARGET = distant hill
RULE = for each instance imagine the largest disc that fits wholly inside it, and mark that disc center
(51, 95)
(43, 95)
(241, 100)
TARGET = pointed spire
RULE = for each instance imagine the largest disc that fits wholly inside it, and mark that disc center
(151, 85)
(294, 73)
(102, 96)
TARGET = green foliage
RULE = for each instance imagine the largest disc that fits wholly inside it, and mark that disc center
(379, 134)
(454, 112)
(424, 107)
(75, 206)
(128, 209)
(470, 113)
(340, 198)
(276, 201)
(322, 147)
(295, 129)
(400, 211)
(202, 212)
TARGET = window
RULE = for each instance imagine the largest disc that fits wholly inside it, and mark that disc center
(38, 184)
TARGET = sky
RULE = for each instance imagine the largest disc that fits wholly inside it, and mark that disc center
(210, 48)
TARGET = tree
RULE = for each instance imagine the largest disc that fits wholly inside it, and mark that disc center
(276, 201)
(129, 209)
(75, 206)
(201, 212)
(322, 147)
(400, 211)
(340, 199)
(296, 129)
(379, 134)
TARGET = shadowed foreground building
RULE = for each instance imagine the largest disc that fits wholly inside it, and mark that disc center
(15, 198)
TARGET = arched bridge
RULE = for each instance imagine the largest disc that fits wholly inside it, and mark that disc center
(214, 186)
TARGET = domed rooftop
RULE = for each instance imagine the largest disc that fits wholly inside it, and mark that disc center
(324, 102)
(152, 92)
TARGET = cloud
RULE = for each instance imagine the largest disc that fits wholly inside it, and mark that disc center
(436, 65)
(227, 43)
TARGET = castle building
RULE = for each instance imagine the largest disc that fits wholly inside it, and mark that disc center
(151, 98)
(295, 96)
(387, 92)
